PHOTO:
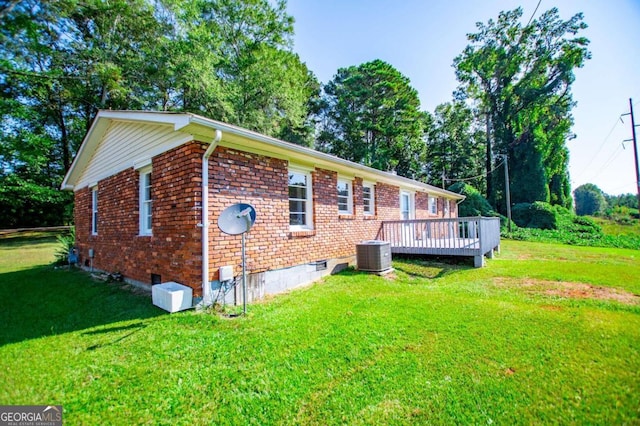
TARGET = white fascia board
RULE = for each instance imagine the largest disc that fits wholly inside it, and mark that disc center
(306, 155)
(94, 135)
(177, 120)
(251, 141)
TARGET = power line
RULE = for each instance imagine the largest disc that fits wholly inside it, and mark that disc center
(624, 186)
(609, 160)
(534, 12)
(476, 177)
(602, 144)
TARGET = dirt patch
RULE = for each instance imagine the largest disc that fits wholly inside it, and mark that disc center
(391, 276)
(570, 290)
(588, 291)
(551, 308)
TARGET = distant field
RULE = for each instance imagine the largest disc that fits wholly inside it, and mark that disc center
(545, 334)
(615, 229)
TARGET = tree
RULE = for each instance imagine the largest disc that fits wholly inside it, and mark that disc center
(474, 203)
(455, 145)
(589, 200)
(520, 78)
(234, 63)
(371, 115)
(59, 63)
(623, 200)
(62, 61)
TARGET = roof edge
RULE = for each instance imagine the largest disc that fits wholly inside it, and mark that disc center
(179, 120)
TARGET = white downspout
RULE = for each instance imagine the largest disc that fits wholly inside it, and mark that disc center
(458, 206)
(206, 288)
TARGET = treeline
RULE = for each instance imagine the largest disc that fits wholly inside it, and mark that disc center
(62, 61)
(592, 201)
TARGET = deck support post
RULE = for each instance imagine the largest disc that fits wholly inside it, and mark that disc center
(490, 254)
(478, 261)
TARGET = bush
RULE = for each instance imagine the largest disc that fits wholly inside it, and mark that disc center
(535, 215)
(585, 225)
(474, 204)
(571, 237)
(66, 242)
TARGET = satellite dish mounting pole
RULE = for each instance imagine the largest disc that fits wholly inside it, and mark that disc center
(244, 279)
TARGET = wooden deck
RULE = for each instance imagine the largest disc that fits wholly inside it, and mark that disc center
(475, 237)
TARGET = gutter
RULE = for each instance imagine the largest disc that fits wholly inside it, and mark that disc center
(386, 176)
(206, 287)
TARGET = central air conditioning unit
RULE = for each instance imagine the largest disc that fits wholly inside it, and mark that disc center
(373, 256)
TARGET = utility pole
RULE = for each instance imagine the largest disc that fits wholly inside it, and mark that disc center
(635, 148)
(506, 189)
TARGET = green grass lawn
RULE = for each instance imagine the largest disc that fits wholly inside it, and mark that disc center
(544, 334)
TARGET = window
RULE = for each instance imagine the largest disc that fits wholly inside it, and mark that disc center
(433, 205)
(300, 204)
(406, 206)
(368, 199)
(145, 202)
(445, 202)
(345, 197)
(94, 211)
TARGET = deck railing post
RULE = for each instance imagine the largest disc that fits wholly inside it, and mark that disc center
(469, 236)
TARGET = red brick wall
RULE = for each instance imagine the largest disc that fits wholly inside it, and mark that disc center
(174, 250)
(239, 177)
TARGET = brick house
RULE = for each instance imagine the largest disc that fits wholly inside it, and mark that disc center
(139, 180)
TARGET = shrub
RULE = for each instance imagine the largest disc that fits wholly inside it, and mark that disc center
(66, 242)
(585, 225)
(535, 215)
(474, 204)
(520, 214)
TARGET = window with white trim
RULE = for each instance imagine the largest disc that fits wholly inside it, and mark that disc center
(433, 205)
(146, 202)
(94, 210)
(300, 200)
(445, 202)
(368, 199)
(345, 196)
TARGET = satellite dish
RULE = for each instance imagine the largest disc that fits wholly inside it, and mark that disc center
(237, 219)
(234, 220)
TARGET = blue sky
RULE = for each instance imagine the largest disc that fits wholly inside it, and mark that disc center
(421, 39)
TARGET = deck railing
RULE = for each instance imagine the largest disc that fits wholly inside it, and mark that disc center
(463, 236)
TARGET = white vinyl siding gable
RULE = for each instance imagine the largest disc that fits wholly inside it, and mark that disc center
(125, 143)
